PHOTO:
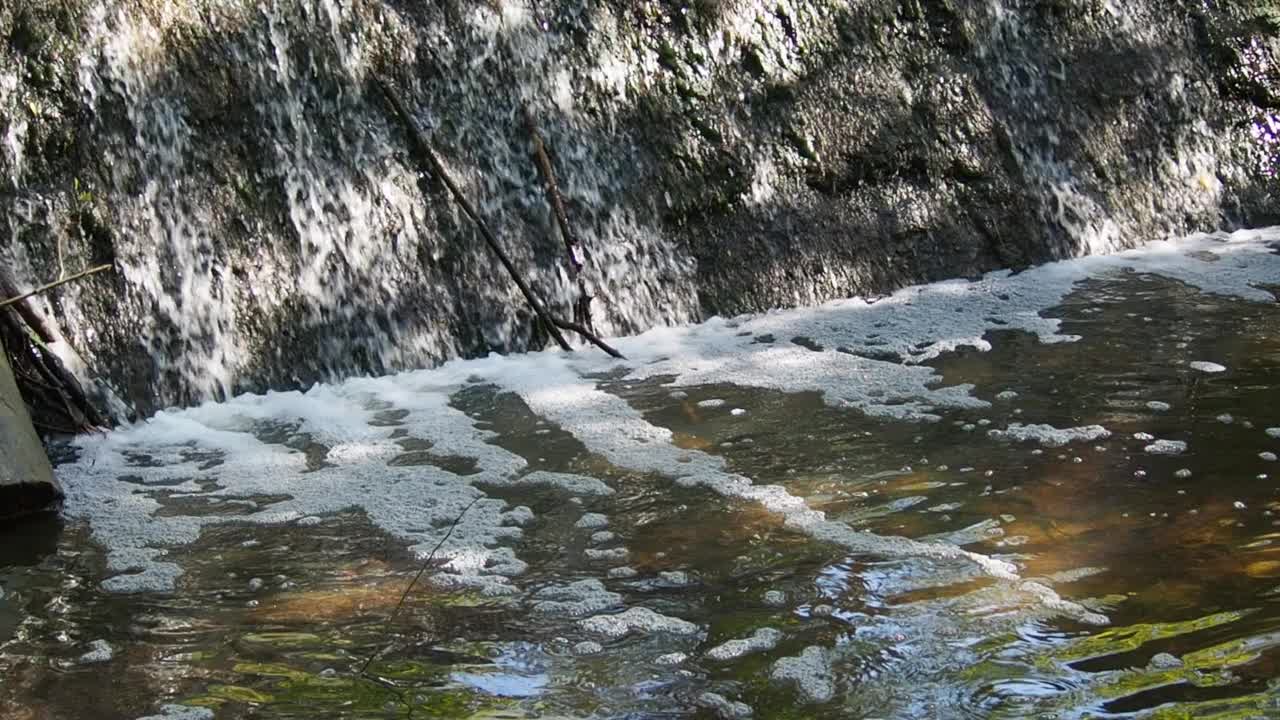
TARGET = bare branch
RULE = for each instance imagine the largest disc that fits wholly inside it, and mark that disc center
(56, 283)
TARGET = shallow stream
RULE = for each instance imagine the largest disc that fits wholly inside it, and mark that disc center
(971, 499)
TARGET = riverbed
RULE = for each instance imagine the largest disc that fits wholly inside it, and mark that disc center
(1044, 494)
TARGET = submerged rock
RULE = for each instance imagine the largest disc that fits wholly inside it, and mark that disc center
(810, 673)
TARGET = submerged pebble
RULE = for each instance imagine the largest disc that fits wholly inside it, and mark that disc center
(674, 658)
(1207, 367)
(1268, 456)
(1158, 406)
(1183, 474)
(712, 403)
(775, 598)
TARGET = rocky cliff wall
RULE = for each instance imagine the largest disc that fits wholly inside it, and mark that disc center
(236, 162)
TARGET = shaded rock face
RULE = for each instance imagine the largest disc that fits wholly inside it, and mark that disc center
(236, 161)
(27, 484)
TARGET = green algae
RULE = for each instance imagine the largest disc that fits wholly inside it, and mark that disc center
(1255, 706)
(1121, 640)
(286, 640)
(237, 693)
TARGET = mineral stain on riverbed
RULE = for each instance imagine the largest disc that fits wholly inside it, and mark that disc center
(895, 509)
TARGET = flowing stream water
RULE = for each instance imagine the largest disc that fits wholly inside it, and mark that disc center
(1046, 494)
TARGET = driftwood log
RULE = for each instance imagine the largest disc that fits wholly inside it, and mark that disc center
(27, 484)
(425, 153)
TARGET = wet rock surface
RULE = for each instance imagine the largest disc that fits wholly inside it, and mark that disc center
(270, 230)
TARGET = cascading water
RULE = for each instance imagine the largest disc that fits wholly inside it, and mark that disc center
(270, 228)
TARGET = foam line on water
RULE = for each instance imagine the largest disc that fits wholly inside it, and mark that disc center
(912, 325)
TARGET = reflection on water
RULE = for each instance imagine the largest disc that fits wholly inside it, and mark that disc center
(1180, 551)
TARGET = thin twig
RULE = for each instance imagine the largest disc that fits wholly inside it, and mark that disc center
(56, 283)
(421, 571)
(572, 246)
(438, 167)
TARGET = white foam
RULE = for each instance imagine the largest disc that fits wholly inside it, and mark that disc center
(637, 620)
(1049, 435)
(591, 521)
(724, 708)
(810, 673)
(100, 651)
(760, 641)
(417, 504)
(181, 712)
(1166, 447)
(575, 599)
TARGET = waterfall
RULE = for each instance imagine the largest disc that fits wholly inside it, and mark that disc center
(270, 229)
